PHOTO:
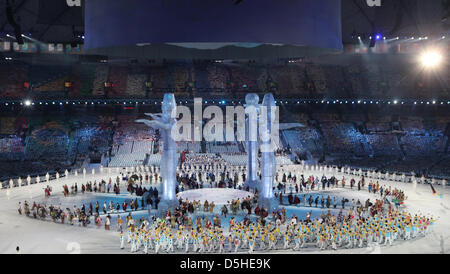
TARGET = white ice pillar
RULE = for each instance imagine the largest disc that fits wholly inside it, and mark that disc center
(251, 137)
(268, 130)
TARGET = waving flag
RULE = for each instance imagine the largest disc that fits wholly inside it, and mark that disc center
(433, 190)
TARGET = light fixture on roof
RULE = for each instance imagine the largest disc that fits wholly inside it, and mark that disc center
(431, 59)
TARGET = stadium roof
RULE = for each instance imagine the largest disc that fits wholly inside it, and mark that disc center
(55, 21)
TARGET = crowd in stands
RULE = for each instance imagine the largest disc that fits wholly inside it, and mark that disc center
(382, 142)
(349, 79)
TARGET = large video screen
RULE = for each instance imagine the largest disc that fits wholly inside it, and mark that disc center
(314, 23)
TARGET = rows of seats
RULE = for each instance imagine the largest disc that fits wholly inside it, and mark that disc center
(157, 76)
(344, 138)
(423, 144)
(354, 79)
(214, 147)
(11, 144)
(125, 148)
(57, 148)
(203, 159)
(293, 139)
(416, 164)
(236, 159)
(127, 160)
(311, 140)
(118, 76)
(412, 124)
(101, 76)
(136, 83)
(87, 78)
(12, 79)
(191, 147)
(180, 78)
(217, 76)
(317, 75)
(384, 144)
(244, 77)
(283, 160)
(441, 167)
(154, 159)
(143, 147)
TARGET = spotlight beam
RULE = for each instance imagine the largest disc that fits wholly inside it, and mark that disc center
(431, 59)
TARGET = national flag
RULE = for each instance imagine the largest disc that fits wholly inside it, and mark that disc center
(433, 190)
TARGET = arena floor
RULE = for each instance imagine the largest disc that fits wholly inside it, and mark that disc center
(36, 236)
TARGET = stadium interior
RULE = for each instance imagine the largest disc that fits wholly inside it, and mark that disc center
(378, 107)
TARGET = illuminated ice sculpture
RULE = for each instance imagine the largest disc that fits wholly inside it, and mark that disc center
(261, 128)
(165, 122)
(268, 128)
(251, 138)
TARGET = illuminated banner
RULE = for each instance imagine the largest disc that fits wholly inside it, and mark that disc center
(294, 22)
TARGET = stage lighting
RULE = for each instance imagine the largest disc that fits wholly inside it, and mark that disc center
(27, 103)
(431, 59)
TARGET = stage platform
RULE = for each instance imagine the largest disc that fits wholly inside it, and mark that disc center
(219, 196)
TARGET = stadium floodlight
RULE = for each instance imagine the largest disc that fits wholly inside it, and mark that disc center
(431, 59)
